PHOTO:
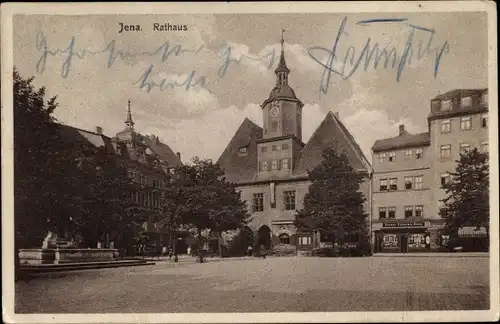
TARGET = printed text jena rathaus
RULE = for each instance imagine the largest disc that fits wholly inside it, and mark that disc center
(156, 27)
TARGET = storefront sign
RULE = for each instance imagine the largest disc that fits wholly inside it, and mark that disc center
(404, 224)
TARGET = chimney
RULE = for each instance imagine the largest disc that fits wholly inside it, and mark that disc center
(179, 155)
(98, 130)
(401, 129)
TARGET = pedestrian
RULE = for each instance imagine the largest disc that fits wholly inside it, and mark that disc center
(164, 250)
(249, 250)
(189, 250)
(170, 253)
(263, 252)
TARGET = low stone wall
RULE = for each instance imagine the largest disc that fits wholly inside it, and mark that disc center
(60, 256)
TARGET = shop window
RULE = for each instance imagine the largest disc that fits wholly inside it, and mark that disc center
(290, 200)
(382, 157)
(408, 211)
(284, 239)
(465, 123)
(445, 126)
(383, 184)
(419, 211)
(392, 212)
(392, 156)
(416, 240)
(419, 153)
(408, 182)
(393, 184)
(382, 212)
(484, 120)
(390, 241)
(258, 202)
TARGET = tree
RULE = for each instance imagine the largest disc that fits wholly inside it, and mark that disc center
(203, 200)
(334, 204)
(467, 202)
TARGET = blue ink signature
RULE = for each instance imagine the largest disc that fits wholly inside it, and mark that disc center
(226, 52)
(191, 81)
(165, 50)
(374, 54)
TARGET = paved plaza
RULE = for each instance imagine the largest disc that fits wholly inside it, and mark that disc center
(266, 285)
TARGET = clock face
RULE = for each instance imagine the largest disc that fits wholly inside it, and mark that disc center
(275, 110)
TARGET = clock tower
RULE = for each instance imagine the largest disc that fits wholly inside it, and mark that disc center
(282, 133)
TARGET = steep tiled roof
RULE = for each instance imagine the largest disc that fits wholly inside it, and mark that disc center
(401, 141)
(459, 93)
(331, 133)
(241, 166)
(163, 151)
(74, 134)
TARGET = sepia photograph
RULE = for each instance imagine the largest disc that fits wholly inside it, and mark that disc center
(272, 160)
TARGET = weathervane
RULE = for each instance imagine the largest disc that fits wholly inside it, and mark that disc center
(282, 40)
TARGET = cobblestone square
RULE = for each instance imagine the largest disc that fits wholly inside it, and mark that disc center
(266, 285)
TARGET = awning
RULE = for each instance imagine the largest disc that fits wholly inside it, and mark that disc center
(471, 231)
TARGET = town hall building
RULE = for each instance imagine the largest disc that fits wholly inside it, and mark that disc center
(270, 164)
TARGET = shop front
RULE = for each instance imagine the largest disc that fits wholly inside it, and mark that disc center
(403, 237)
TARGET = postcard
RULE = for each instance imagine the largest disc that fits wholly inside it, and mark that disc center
(250, 162)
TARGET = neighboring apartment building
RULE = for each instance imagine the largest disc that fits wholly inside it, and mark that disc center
(409, 170)
(270, 164)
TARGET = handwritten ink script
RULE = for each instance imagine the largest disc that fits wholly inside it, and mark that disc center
(343, 65)
(373, 53)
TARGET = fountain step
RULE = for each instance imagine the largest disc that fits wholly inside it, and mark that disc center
(40, 268)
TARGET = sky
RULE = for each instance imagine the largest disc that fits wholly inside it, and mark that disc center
(221, 69)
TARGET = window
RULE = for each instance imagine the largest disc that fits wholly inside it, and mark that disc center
(408, 182)
(274, 148)
(382, 212)
(419, 211)
(443, 212)
(445, 178)
(243, 149)
(290, 200)
(393, 184)
(465, 123)
(484, 147)
(392, 212)
(445, 151)
(445, 126)
(284, 239)
(263, 165)
(284, 147)
(382, 157)
(408, 211)
(305, 240)
(484, 98)
(419, 153)
(274, 164)
(383, 184)
(284, 163)
(466, 102)
(418, 182)
(445, 105)
(464, 148)
(392, 156)
(263, 149)
(484, 120)
(274, 125)
(258, 202)
(408, 154)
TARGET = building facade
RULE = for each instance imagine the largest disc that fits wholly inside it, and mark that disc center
(270, 164)
(410, 169)
(148, 162)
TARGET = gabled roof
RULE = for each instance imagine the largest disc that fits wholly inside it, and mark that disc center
(163, 151)
(241, 166)
(73, 134)
(331, 133)
(402, 141)
(459, 93)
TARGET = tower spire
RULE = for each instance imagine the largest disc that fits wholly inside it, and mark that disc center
(282, 70)
(129, 121)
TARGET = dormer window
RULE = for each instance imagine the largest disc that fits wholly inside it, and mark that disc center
(243, 149)
(466, 102)
(484, 98)
(446, 105)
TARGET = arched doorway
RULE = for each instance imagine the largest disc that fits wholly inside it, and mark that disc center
(264, 237)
